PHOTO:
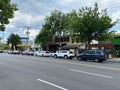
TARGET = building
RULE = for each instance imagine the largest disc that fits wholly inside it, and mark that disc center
(116, 46)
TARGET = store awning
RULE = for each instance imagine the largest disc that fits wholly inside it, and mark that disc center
(24, 45)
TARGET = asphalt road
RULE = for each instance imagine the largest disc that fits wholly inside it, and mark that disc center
(19, 72)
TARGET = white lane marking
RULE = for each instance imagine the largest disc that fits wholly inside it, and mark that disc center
(91, 73)
(52, 84)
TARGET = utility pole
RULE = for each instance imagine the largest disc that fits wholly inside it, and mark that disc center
(60, 36)
(27, 32)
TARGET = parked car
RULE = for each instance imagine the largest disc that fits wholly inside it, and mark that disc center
(64, 54)
(10, 52)
(35, 53)
(24, 52)
(51, 53)
(95, 55)
(43, 53)
(30, 53)
(1, 51)
(16, 52)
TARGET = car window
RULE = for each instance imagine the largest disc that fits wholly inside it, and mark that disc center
(98, 52)
(64, 51)
(87, 52)
(91, 52)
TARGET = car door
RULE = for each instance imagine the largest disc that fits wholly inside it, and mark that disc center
(85, 55)
(62, 53)
(88, 55)
(91, 55)
(59, 53)
(39, 53)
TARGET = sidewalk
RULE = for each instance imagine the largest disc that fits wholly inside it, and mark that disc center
(114, 59)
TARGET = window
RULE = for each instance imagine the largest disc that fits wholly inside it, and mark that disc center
(64, 51)
(91, 52)
(98, 52)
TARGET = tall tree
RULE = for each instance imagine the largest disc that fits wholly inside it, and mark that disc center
(93, 23)
(73, 26)
(43, 36)
(14, 39)
(55, 23)
(6, 12)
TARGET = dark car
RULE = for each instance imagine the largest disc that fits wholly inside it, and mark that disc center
(16, 52)
(10, 52)
(1, 51)
(95, 55)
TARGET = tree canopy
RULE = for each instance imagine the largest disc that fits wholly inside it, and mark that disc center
(83, 26)
(91, 23)
(6, 12)
(43, 36)
(94, 24)
(14, 39)
(56, 22)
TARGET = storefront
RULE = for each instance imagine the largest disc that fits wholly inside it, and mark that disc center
(116, 46)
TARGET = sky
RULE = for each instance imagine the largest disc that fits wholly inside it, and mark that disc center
(33, 12)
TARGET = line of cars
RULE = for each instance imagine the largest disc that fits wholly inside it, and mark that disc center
(21, 52)
(94, 55)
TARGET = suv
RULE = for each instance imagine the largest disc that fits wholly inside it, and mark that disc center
(64, 54)
(96, 55)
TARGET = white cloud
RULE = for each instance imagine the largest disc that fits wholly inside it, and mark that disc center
(115, 15)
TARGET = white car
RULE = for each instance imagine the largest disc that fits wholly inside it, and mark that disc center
(51, 53)
(43, 53)
(64, 54)
(30, 53)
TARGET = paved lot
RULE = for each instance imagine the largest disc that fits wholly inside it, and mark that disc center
(46, 73)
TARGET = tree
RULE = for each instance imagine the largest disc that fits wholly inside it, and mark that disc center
(73, 26)
(55, 23)
(14, 39)
(43, 36)
(6, 12)
(93, 23)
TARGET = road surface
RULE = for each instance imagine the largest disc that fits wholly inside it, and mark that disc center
(19, 72)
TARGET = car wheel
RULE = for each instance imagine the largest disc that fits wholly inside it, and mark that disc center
(55, 56)
(79, 58)
(96, 60)
(65, 56)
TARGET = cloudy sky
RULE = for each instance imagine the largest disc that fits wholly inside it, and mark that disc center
(32, 13)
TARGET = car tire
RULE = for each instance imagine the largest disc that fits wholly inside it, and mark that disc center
(66, 57)
(55, 56)
(79, 58)
(96, 60)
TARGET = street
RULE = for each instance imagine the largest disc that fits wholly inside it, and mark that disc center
(19, 72)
